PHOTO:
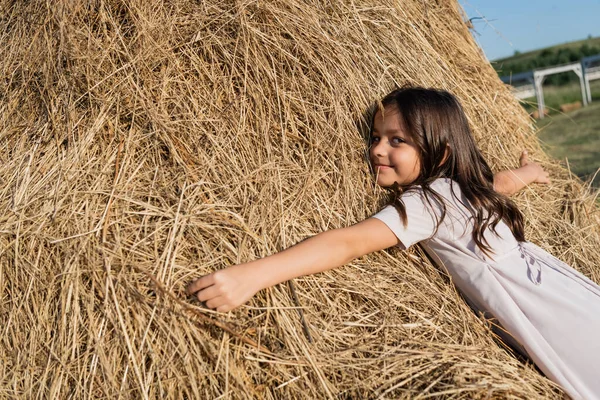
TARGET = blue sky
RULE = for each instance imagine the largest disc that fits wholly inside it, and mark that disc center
(526, 25)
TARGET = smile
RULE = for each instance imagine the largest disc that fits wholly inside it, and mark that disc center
(382, 167)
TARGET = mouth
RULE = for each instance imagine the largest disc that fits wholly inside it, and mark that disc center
(382, 166)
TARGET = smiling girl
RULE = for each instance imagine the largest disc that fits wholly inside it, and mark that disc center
(447, 200)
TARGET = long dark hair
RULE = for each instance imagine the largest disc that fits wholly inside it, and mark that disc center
(437, 124)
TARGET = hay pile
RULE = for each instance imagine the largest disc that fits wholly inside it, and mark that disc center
(145, 143)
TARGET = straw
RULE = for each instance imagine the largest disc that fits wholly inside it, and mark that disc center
(146, 143)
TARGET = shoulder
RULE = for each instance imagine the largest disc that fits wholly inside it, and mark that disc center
(422, 211)
(440, 185)
(417, 199)
(445, 186)
(440, 190)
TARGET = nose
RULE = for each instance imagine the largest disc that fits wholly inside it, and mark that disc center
(379, 149)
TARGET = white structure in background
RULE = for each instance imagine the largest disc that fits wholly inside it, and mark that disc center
(540, 74)
(522, 84)
(591, 71)
(528, 84)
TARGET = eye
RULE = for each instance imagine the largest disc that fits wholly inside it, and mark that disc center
(375, 139)
(397, 140)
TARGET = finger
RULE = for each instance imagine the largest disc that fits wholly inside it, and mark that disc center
(224, 308)
(546, 178)
(200, 284)
(524, 159)
(216, 302)
(208, 293)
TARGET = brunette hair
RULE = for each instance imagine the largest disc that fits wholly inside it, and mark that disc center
(437, 124)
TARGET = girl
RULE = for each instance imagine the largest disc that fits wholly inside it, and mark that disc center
(447, 199)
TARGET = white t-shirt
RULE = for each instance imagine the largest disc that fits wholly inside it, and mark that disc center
(454, 235)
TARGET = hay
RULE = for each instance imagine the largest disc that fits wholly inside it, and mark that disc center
(145, 143)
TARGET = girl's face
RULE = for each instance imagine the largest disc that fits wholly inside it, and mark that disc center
(393, 154)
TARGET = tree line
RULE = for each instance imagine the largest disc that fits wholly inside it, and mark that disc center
(547, 58)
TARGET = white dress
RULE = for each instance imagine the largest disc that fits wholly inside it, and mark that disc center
(550, 309)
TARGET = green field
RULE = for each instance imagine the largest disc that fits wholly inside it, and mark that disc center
(575, 137)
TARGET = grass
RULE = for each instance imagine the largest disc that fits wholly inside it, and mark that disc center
(575, 137)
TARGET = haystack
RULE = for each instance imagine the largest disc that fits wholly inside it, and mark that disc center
(146, 143)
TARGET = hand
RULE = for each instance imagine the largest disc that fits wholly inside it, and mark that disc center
(511, 181)
(226, 289)
(538, 173)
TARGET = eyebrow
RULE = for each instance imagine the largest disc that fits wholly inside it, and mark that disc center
(389, 131)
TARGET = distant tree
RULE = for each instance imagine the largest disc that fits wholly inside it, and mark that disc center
(585, 50)
(563, 56)
(574, 56)
(516, 53)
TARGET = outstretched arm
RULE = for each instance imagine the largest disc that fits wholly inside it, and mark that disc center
(231, 287)
(511, 181)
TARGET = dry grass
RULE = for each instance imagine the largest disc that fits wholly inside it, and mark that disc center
(147, 140)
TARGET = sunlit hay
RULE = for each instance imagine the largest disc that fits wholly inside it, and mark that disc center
(145, 143)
